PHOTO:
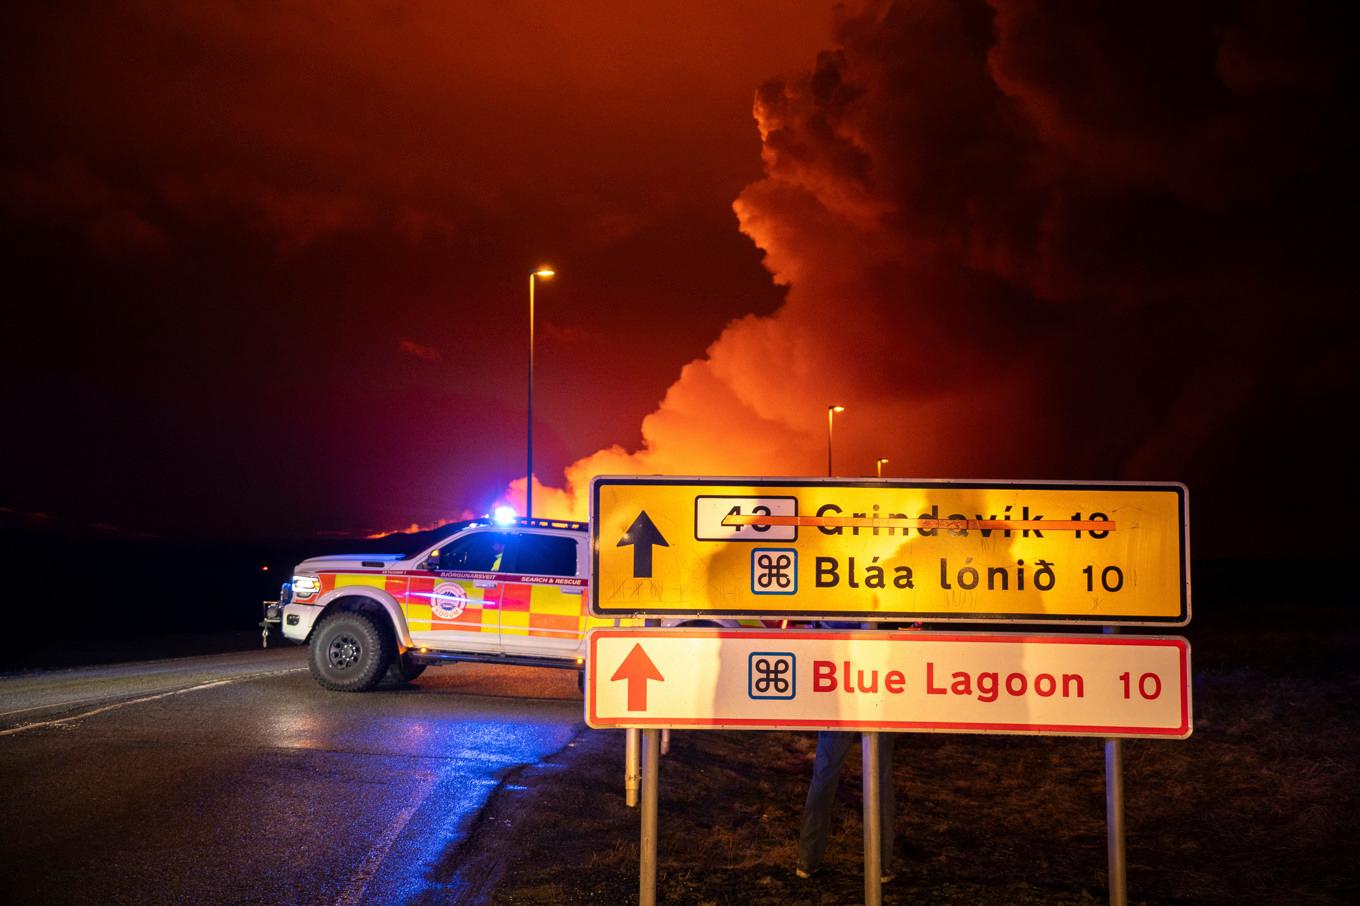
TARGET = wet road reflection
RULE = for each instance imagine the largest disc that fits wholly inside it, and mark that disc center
(270, 789)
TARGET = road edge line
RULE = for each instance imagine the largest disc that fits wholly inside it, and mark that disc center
(358, 882)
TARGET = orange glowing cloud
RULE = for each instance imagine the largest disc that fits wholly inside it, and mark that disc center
(996, 272)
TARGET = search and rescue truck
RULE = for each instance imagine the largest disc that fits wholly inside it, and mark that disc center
(508, 591)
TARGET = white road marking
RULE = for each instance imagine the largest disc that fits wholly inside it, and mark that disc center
(354, 890)
(63, 721)
(79, 701)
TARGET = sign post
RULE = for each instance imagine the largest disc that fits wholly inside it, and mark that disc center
(632, 769)
(1114, 820)
(1114, 817)
(1105, 554)
(651, 769)
(873, 821)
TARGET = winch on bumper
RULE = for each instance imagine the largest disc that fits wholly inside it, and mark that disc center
(298, 620)
(294, 620)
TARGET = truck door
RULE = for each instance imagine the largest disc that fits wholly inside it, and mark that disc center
(454, 601)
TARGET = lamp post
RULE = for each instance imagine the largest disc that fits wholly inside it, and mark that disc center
(544, 273)
(878, 466)
(830, 429)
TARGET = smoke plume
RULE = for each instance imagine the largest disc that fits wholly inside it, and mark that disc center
(1036, 240)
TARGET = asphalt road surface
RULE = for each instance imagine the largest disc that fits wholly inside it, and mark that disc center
(235, 778)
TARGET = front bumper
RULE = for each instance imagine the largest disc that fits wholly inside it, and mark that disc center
(297, 621)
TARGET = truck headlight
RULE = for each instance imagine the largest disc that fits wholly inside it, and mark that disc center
(305, 586)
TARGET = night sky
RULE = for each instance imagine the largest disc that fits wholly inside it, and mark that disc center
(268, 263)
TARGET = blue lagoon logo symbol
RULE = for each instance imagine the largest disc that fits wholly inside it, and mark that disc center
(772, 675)
(774, 571)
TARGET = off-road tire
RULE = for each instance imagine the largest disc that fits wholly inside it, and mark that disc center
(403, 670)
(349, 652)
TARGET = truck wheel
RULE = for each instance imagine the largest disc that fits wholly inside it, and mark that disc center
(403, 669)
(349, 653)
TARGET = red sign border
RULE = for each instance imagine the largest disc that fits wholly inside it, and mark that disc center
(641, 634)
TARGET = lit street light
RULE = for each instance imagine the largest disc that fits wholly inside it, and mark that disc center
(878, 466)
(545, 273)
(830, 428)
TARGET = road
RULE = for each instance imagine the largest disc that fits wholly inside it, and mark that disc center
(235, 778)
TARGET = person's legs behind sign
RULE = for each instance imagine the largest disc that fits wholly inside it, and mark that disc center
(832, 749)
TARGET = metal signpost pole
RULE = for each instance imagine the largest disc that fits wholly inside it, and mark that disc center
(1114, 809)
(873, 828)
(1114, 815)
(647, 860)
(630, 767)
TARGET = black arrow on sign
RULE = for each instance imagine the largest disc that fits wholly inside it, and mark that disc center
(642, 534)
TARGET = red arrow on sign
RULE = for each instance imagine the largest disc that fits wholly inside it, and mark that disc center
(637, 668)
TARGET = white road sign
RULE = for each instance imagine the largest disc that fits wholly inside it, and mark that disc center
(902, 681)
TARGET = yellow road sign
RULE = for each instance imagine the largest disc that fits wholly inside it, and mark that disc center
(969, 551)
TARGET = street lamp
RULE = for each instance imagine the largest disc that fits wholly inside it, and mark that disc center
(878, 466)
(830, 428)
(544, 273)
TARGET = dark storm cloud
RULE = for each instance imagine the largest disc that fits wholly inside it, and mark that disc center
(1042, 240)
(112, 219)
(227, 216)
(310, 118)
(419, 350)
